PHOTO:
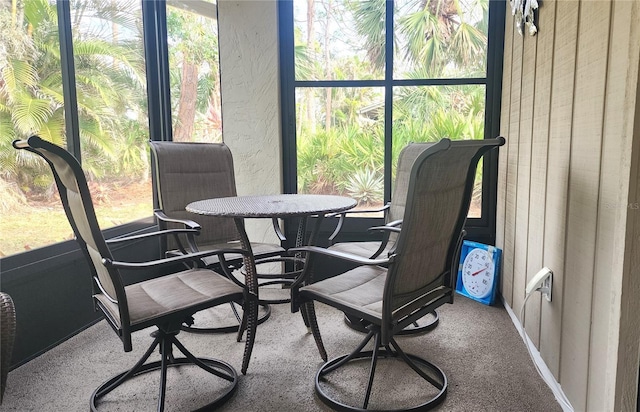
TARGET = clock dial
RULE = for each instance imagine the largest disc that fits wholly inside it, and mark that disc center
(478, 270)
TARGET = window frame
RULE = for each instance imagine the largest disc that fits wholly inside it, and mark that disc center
(159, 114)
(480, 229)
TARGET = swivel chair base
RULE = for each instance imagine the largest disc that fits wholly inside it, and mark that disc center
(167, 341)
(435, 376)
(423, 325)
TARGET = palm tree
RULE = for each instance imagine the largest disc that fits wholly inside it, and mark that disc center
(109, 78)
(432, 39)
(195, 81)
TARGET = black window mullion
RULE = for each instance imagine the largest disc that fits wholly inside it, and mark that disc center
(440, 82)
(288, 101)
(493, 103)
(480, 229)
(67, 63)
(156, 51)
(388, 99)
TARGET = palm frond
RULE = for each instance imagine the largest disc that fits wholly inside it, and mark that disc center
(30, 114)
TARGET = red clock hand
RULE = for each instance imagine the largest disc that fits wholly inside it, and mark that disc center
(481, 270)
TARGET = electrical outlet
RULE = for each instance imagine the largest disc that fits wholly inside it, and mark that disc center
(537, 282)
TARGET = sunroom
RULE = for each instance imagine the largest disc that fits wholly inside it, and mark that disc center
(319, 96)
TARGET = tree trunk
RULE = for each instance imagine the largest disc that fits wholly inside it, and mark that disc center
(327, 65)
(183, 129)
(310, 109)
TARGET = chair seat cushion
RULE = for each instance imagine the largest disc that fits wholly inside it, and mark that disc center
(364, 249)
(358, 291)
(168, 294)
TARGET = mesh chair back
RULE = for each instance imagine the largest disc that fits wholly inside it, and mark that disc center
(187, 172)
(407, 157)
(438, 199)
(76, 199)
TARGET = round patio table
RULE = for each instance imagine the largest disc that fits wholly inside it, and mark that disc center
(279, 206)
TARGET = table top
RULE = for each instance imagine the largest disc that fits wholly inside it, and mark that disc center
(278, 206)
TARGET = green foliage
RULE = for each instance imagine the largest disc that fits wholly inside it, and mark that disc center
(350, 160)
(110, 82)
(340, 129)
(366, 186)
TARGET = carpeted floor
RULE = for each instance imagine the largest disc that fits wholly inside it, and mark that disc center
(478, 348)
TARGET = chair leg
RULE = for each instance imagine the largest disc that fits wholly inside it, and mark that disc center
(166, 341)
(165, 353)
(436, 377)
(372, 371)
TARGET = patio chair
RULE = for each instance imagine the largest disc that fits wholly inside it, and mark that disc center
(393, 212)
(163, 301)
(187, 172)
(392, 292)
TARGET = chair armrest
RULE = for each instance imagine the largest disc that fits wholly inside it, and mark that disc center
(192, 257)
(379, 209)
(339, 255)
(391, 227)
(152, 234)
(342, 215)
(385, 229)
(395, 223)
(187, 223)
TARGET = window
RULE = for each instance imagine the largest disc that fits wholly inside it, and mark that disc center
(192, 31)
(83, 85)
(30, 101)
(110, 83)
(361, 79)
(96, 107)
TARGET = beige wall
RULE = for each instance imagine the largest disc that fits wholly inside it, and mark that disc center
(250, 91)
(568, 183)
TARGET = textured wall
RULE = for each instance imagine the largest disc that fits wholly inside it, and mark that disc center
(250, 99)
(568, 179)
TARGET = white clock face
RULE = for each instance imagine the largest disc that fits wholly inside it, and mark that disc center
(477, 273)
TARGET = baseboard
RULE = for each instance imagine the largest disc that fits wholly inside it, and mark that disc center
(548, 377)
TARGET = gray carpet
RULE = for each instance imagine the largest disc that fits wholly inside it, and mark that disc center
(478, 348)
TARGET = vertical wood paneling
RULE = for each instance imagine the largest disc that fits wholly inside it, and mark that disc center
(506, 279)
(613, 211)
(524, 179)
(586, 144)
(626, 395)
(572, 168)
(540, 145)
(512, 165)
(564, 57)
(539, 164)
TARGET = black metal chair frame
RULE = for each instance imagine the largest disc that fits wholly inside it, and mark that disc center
(187, 242)
(399, 308)
(106, 275)
(430, 320)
